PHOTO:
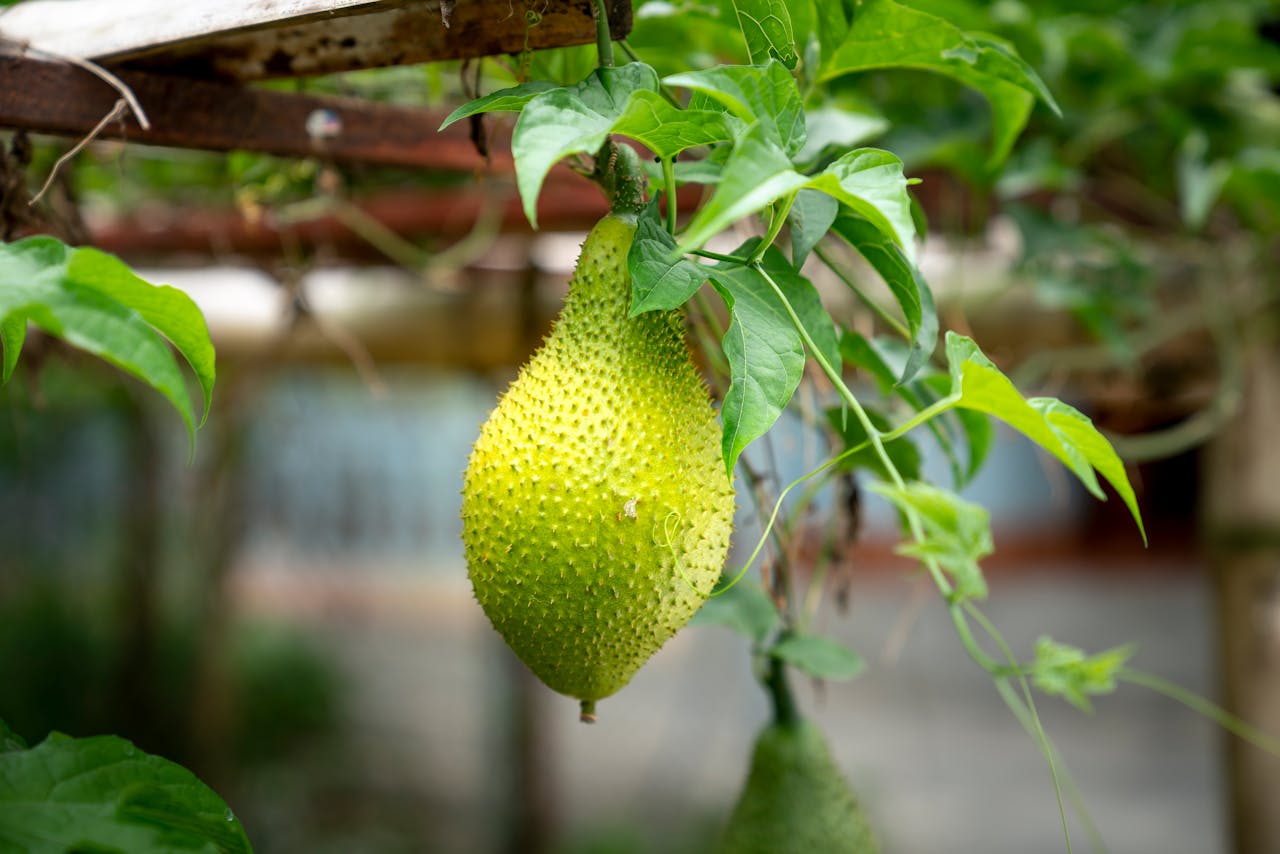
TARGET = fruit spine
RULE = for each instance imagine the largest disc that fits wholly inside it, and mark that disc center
(596, 507)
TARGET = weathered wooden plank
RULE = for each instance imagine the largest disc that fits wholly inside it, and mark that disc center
(255, 39)
(61, 99)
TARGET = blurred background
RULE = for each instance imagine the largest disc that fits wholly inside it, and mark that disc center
(289, 615)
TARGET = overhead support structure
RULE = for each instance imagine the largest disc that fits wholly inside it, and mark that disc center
(242, 40)
(58, 98)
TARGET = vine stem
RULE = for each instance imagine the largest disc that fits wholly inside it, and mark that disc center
(775, 225)
(876, 308)
(604, 41)
(873, 435)
(784, 702)
(669, 182)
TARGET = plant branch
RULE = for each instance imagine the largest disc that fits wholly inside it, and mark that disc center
(604, 40)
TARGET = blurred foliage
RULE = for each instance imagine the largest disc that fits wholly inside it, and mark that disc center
(59, 654)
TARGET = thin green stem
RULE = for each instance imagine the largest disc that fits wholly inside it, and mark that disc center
(1212, 711)
(777, 508)
(1041, 736)
(776, 221)
(716, 256)
(669, 182)
(928, 413)
(875, 307)
(604, 40)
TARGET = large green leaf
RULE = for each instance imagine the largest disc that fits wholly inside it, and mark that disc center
(765, 94)
(766, 25)
(763, 346)
(884, 34)
(667, 130)
(661, 278)
(1064, 432)
(571, 120)
(757, 174)
(870, 183)
(765, 353)
(102, 794)
(95, 302)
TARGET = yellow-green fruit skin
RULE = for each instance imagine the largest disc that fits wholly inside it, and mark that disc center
(796, 801)
(596, 507)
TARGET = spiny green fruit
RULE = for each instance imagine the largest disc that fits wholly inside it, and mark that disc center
(596, 507)
(796, 801)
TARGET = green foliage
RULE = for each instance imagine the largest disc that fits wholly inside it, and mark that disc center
(103, 794)
(1065, 671)
(976, 383)
(819, 657)
(956, 533)
(884, 34)
(743, 608)
(94, 302)
(766, 26)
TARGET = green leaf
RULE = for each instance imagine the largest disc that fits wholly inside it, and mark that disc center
(766, 25)
(94, 302)
(765, 353)
(744, 608)
(810, 218)
(838, 128)
(1065, 671)
(510, 100)
(103, 794)
(870, 183)
(765, 94)
(1077, 432)
(957, 533)
(757, 174)
(1054, 426)
(667, 130)
(820, 657)
(571, 120)
(661, 278)
(905, 282)
(884, 34)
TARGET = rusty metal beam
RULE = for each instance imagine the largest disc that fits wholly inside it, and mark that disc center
(568, 203)
(61, 99)
(291, 38)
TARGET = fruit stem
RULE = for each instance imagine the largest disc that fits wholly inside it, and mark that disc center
(604, 40)
(619, 174)
(588, 713)
(784, 702)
